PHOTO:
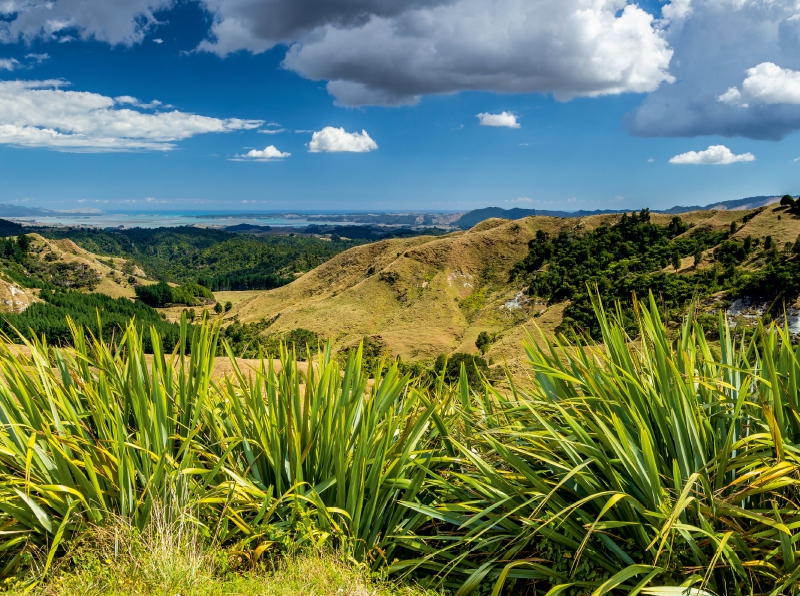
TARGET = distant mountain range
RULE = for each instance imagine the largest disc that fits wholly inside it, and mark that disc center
(20, 211)
(475, 217)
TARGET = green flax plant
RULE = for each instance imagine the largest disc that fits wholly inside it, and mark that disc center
(630, 465)
(98, 433)
(351, 442)
(94, 431)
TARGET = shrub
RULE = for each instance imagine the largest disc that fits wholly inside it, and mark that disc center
(475, 366)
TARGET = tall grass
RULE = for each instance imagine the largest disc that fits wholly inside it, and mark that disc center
(625, 465)
(631, 464)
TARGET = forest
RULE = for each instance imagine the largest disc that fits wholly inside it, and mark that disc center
(635, 256)
(50, 319)
(215, 259)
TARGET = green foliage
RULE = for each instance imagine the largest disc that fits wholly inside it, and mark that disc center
(162, 294)
(624, 465)
(50, 318)
(624, 259)
(215, 259)
(450, 367)
(647, 463)
(484, 341)
(304, 342)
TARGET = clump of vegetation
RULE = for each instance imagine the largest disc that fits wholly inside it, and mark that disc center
(162, 294)
(484, 341)
(629, 258)
(475, 368)
(623, 467)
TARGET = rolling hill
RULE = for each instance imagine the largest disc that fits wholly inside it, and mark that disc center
(424, 296)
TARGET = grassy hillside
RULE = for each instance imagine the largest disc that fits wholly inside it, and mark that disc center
(424, 296)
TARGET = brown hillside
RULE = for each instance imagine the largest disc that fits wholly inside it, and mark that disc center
(429, 295)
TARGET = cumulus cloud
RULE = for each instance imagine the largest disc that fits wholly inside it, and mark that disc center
(565, 47)
(8, 63)
(258, 25)
(735, 62)
(505, 119)
(113, 22)
(766, 83)
(336, 140)
(44, 114)
(718, 155)
(127, 99)
(391, 52)
(270, 153)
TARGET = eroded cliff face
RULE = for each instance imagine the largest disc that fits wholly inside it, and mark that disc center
(13, 298)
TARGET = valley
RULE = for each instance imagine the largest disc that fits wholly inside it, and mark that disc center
(414, 297)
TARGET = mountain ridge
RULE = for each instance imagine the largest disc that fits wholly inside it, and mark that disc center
(476, 216)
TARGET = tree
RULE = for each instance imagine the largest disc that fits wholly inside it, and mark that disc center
(787, 201)
(228, 306)
(748, 244)
(796, 246)
(676, 261)
(218, 308)
(157, 295)
(767, 242)
(191, 315)
(698, 257)
(23, 242)
(475, 367)
(483, 342)
(734, 228)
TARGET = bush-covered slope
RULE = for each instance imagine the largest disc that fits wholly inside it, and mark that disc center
(213, 258)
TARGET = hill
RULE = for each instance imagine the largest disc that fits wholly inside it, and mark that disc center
(476, 216)
(49, 263)
(422, 296)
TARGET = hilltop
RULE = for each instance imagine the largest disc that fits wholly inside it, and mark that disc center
(428, 295)
(474, 217)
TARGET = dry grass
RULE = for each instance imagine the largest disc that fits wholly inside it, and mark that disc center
(428, 295)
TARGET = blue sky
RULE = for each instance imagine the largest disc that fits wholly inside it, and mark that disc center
(599, 116)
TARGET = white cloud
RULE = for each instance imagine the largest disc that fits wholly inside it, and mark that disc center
(127, 99)
(715, 155)
(766, 83)
(717, 45)
(8, 63)
(565, 47)
(158, 41)
(38, 58)
(506, 119)
(113, 22)
(519, 200)
(42, 114)
(271, 131)
(334, 140)
(270, 153)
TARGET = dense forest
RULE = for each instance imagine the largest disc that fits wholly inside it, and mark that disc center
(49, 318)
(162, 294)
(215, 259)
(634, 256)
